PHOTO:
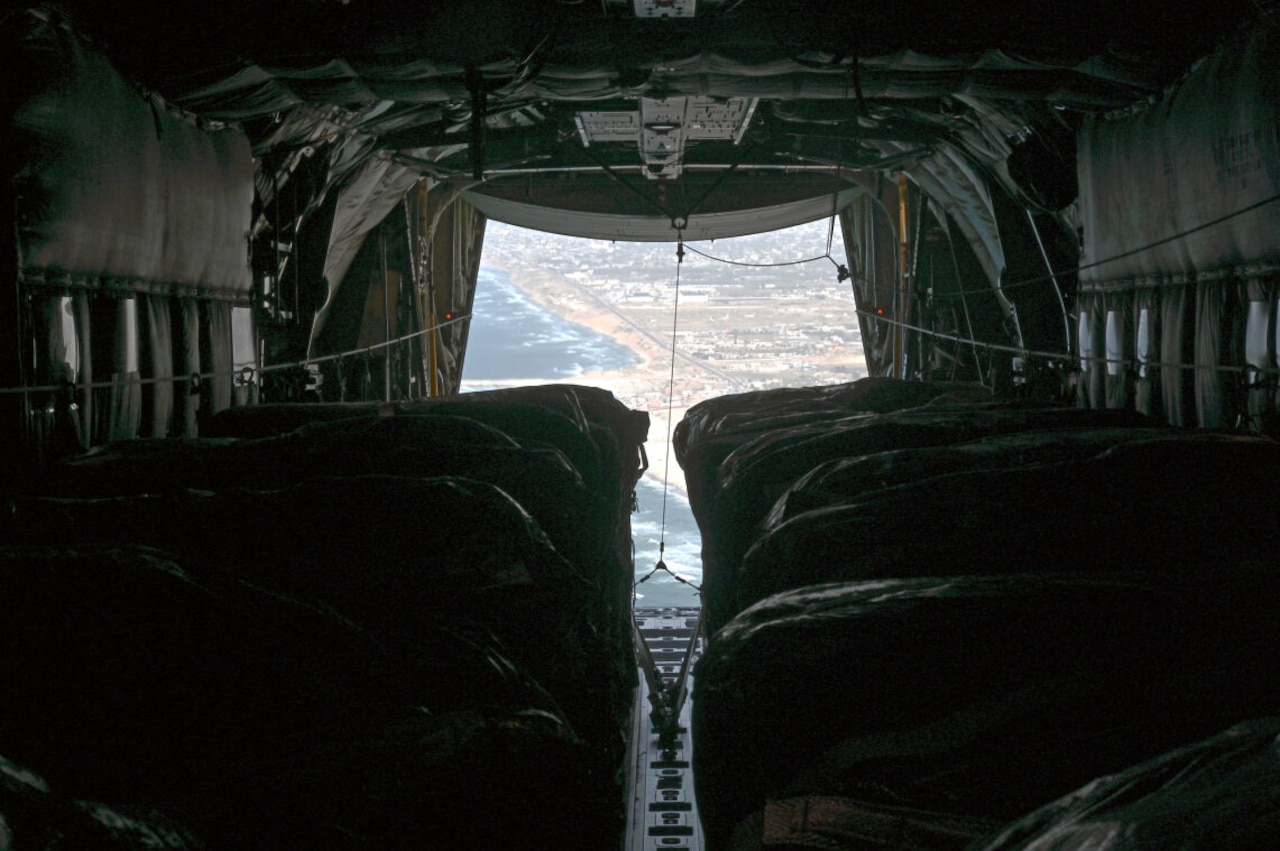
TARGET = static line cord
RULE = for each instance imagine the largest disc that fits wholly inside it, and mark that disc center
(841, 270)
(668, 697)
(671, 386)
(666, 469)
(831, 225)
(1028, 281)
(826, 256)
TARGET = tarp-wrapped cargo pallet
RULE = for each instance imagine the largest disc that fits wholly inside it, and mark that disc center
(353, 630)
(930, 612)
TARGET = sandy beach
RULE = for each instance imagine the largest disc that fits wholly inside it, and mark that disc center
(642, 386)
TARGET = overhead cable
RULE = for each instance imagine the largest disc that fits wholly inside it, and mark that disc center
(760, 265)
(1067, 357)
(1122, 255)
(196, 377)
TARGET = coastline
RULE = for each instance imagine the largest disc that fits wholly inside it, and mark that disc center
(641, 386)
(567, 300)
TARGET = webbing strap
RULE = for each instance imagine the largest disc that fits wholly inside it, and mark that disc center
(680, 688)
(667, 699)
(832, 823)
(649, 667)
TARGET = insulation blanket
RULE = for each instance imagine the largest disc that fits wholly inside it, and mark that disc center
(982, 697)
(1210, 152)
(118, 192)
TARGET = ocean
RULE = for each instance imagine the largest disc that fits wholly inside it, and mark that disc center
(512, 338)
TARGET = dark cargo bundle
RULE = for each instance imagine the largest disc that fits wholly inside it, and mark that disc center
(569, 454)
(971, 697)
(507, 511)
(757, 473)
(33, 815)
(269, 724)
(753, 477)
(1148, 502)
(737, 414)
(1220, 794)
(540, 477)
(268, 419)
(710, 430)
(842, 480)
(392, 553)
(585, 423)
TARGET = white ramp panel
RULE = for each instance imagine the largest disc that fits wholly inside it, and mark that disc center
(663, 812)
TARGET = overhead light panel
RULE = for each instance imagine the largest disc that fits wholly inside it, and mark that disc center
(662, 128)
(666, 8)
(607, 126)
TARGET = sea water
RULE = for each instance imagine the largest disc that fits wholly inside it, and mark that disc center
(513, 338)
(674, 538)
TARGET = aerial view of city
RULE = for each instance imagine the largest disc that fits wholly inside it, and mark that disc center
(751, 319)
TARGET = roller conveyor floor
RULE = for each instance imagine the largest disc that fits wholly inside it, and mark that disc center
(663, 813)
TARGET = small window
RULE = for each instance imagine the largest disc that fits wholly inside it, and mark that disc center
(70, 342)
(1115, 343)
(1085, 338)
(1255, 334)
(243, 350)
(129, 319)
(1144, 341)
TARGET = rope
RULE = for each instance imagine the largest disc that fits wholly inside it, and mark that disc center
(235, 373)
(964, 302)
(1048, 355)
(671, 384)
(667, 698)
(194, 379)
(826, 256)
(831, 225)
(370, 349)
(1156, 244)
(666, 468)
(842, 271)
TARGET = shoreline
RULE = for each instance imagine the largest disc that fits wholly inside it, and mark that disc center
(636, 386)
(575, 306)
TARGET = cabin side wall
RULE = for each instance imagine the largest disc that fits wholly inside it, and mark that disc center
(1180, 263)
(127, 255)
